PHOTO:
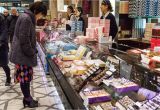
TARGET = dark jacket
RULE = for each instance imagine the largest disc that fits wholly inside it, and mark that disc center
(6, 21)
(3, 42)
(113, 25)
(23, 49)
(11, 22)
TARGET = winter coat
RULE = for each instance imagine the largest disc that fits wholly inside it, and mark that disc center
(23, 49)
(3, 41)
(11, 23)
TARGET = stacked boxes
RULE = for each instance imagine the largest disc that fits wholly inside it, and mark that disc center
(148, 31)
(121, 85)
(76, 26)
(93, 22)
(132, 8)
(156, 31)
(79, 26)
(106, 24)
(123, 7)
(144, 8)
(91, 33)
(97, 28)
(95, 96)
(73, 26)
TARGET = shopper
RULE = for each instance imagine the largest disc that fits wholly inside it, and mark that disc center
(70, 16)
(23, 50)
(106, 9)
(78, 13)
(4, 49)
(12, 22)
(6, 14)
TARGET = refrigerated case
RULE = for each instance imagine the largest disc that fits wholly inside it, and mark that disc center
(138, 73)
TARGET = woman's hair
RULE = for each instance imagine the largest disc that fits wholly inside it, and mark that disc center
(80, 10)
(71, 8)
(108, 3)
(38, 7)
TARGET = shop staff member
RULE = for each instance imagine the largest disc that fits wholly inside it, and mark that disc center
(106, 9)
(70, 16)
(78, 13)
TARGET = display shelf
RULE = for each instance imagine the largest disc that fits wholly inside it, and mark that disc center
(137, 43)
(140, 17)
(70, 97)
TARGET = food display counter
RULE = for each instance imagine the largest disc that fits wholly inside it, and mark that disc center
(97, 76)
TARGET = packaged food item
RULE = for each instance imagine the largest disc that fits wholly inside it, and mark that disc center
(79, 54)
(126, 102)
(95, 96)
(121, 85)
(79, 62)
(155, 62)
(81, 70)
(148, 94)
(102, 106)
(152, 104)
(72, 52)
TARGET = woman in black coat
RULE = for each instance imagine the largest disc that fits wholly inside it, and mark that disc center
(4, 49)
(106, 9)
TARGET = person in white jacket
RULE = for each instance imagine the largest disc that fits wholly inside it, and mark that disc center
(70, 16)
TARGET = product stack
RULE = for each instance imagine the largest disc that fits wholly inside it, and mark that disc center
(148, 31)
(95, 96)
(124, 7)
(121, 85)
(76, 26)
(98, 30)
(143, 8)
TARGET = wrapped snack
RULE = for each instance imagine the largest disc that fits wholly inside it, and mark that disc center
(155, 62)
(72, 52)
(81, 70)
(79, 62)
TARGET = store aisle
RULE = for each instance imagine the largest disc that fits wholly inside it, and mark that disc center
(42, 88)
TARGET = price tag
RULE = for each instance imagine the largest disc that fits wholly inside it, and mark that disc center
(83, 77)
(88, 56)
(107, 64)
(112, 68)
(109, 73)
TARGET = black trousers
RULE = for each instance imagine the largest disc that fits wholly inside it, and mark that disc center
(25, 88)
(7, 71)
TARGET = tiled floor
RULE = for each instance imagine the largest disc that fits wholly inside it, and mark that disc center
(42, 89)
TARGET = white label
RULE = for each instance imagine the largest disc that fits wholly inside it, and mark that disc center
(112, 68)
(109, 73)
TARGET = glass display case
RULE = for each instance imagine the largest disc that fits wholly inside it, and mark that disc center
(80, 69)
